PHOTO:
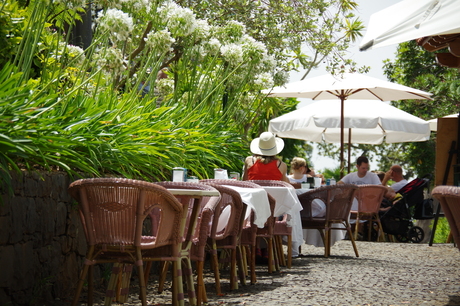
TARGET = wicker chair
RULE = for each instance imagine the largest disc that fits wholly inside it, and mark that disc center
(196, 250)
(338, 199)
(281, 227)
(112, 212)
(225, 234)
(449, 199)
(250, 231)
(369, 199)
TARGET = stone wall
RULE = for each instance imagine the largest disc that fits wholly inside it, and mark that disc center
(42, 243)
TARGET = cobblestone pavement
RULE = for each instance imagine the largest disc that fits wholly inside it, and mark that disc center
(384, 274)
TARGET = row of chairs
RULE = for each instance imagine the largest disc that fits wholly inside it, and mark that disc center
(114, 214)
(181, 228)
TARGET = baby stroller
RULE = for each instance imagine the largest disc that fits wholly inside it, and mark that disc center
(398, 220)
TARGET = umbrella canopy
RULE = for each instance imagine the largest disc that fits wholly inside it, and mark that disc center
(365, 122)
(409, 20)
(370, 122)
(434, 122)
(348, 86)
(352, 85)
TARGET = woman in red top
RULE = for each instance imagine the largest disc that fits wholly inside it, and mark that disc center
(264, 165)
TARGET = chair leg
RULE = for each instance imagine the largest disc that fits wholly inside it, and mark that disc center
(215, 268)
(140, 270)
(327, 239)
(163, 274)
(347, 225)
(357, 226)
(278, 245)
(242, 264)
(381, 233)
(200, 289)
(189, 279)
(177, 287)
(271, 259)
(233, 278)
(84, 273)
(289, 251)
(252, 264)
(90, 285)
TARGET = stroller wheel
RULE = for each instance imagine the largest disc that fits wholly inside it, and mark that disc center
(402, 238)
(416, 234)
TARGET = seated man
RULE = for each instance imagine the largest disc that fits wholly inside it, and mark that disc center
(395, 174)
(361, 177)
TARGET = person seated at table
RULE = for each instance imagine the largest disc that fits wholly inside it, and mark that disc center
(263, 164)
(323, 179)
(299, 172)
(380, 174)
(362, 176)
(395, 174)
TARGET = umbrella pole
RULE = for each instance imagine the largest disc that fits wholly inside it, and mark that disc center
(349, 149)
(342, 116)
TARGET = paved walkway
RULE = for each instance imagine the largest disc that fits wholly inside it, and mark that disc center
(384, 274)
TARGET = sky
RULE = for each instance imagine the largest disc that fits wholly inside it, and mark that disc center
(373, 58)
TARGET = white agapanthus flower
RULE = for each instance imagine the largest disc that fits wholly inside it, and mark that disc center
(180, 21)
(110, 59)
(164, 87)
(232, 53)
(202, 29)
(232, 32)
(212, 46)
(253, 49)
(117, 23)
(160, 41)
(264, 80)
(69, 54)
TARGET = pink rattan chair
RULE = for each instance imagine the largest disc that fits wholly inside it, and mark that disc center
(369, 199)
(112, 212)
(338, 199)
(197, 249)
(225, 234)
(281, 227)
(449, 199)
(250, 231)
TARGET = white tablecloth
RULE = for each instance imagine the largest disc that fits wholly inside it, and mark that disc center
(257, 200)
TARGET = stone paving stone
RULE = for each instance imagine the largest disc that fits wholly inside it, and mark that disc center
(384, 274)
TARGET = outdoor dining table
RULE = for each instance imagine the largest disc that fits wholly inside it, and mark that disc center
(287, 202)
(257, 200)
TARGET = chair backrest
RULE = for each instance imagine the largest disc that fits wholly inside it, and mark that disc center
(370, 197)
(113, 210)
(272, 183)
(337, 198)
(243, 184)
(449, 199)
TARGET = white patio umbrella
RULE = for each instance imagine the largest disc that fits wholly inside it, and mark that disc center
(348, 86)
(434, 122)
(409, 20)
(364, 121)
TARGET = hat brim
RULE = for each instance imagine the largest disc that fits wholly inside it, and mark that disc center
(254, 147)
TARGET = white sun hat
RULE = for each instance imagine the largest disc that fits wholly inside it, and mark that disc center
(267, 145)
